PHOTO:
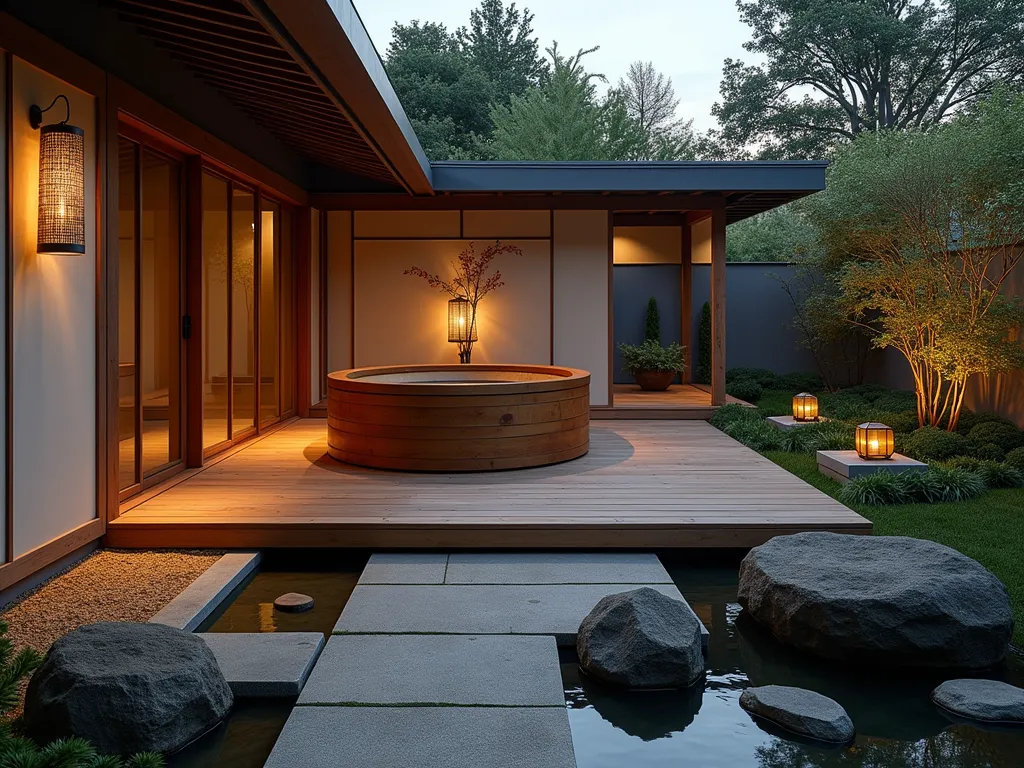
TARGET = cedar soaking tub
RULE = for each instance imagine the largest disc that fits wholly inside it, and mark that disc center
(458, 418)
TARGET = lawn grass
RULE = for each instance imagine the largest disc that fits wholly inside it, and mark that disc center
(990, 528)
(775, 402)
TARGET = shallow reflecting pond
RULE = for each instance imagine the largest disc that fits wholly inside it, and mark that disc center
(244, 740)
(897, 725)
(328, 577)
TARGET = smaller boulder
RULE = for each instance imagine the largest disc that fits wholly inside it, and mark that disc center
(641, 639)
(127, 687)
(989, 701)
(800, 711)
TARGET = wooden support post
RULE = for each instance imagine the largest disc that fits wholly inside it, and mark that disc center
(686, 290)
(194, 388)
(718, 305)
(303, 245)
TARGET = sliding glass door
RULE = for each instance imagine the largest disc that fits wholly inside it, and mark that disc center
(150, 433)
(242, 318)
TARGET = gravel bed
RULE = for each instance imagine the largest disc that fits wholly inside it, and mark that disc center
(108, 585)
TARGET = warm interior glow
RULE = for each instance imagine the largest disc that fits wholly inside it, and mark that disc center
(459, 318)
(805, 407)
(874, 441)
(61, 190)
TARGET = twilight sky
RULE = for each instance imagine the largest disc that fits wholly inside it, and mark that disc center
(685, 39)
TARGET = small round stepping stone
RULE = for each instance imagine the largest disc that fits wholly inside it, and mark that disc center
(799, 711)
(293, 602)
(989, 701)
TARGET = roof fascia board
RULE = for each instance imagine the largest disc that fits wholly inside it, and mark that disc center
(332, 36)
(773, 176)
(398, 202)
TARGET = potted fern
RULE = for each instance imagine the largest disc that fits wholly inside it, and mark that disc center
(652, 365)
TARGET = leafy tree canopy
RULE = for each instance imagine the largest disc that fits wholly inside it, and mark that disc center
(781, 234)
(835, 68)
(500, 42)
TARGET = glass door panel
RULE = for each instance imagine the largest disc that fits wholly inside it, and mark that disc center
(243, 310)
(160, 316)
(127, 416)
(216, 264)
(270, 217)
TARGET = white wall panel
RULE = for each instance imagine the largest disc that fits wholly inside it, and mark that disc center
(581, 280)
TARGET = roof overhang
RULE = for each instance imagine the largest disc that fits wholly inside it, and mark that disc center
(748, 187)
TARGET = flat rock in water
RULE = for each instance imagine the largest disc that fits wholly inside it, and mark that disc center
(990, 701)
(293, 602)
(800, 711)
(880, 600)
(641, 639)
(127, 687)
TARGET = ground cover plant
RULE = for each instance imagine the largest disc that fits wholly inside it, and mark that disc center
(965, 500)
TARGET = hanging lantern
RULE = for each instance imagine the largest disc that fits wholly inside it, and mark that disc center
(460, 318)
(875, 441)
(61, 226)
(805, 407)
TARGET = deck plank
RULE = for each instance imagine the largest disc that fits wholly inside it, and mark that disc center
(646, 484)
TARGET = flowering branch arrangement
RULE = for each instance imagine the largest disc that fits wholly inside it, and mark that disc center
(470, 283)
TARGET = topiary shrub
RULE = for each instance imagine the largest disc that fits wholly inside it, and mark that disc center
(652, 322)
(969, 420)
(1006, 436)
(757, 434)
(704, 346)
(896, 401)
(866, 391)
(934, 444)
(762, 376)
(843, 406)
(799, 382)
(1015, 459)
(902, 422)
(989, 452)
(727, 414)
(744, 389)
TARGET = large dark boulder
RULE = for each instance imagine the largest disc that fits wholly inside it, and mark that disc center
(641, 639)
(882, 600)
(127, 687)
(800, 711)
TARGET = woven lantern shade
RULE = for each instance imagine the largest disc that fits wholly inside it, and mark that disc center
(875, 441)
(805, 407)
(61, 189)
(460, 316)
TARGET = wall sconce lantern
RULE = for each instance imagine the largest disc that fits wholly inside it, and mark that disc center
(805, 407)
(875, 441)
(461, 326)
(61, 183)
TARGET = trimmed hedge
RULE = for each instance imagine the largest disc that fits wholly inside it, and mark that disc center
(1015, 459)
(1006, 436)
(744, 389)
(934, 444)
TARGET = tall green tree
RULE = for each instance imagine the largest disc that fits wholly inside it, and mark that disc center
(651, 102)
(566, 119)
(499, 41)
(446, 96)
(836, 68)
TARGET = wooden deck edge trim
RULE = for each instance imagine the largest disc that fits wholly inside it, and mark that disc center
(187, 474)
(653, 413)
(36, 559)
(498, 537)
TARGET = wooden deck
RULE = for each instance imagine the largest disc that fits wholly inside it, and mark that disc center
(685, 402)
(644, 484)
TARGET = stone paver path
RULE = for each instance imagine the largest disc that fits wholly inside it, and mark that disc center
(450, 661)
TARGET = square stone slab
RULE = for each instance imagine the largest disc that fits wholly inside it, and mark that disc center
(845, 466)
(198, 600)
(556, 568)
(425, 737)
(265, 664)
(496, 670)
(405, 568)
(480, 609)
(788, 422)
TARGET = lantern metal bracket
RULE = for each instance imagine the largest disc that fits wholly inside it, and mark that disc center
(35, 112)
